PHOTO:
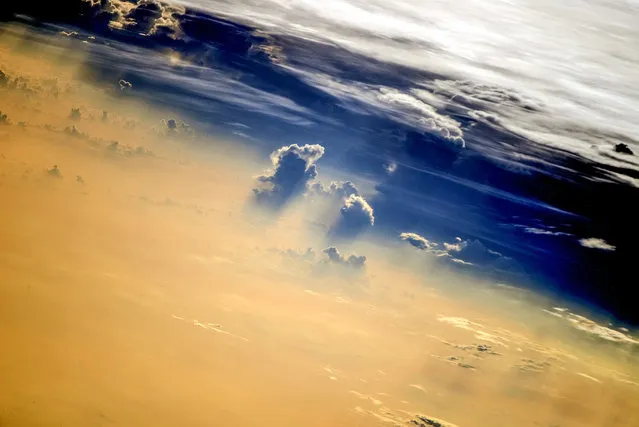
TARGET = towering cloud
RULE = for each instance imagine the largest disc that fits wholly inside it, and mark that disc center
(293, 168)
(356, 216)
(357, 212)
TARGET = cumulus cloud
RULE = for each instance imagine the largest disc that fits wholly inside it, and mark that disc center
(340, 189)
(335, 257)
(294, 167)
(75, 114)
(145, 17)
(418, 241)
(356, 215)
(357, 211)
(125, 86)
(595, 243)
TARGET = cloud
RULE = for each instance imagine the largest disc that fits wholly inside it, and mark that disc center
(357, 211)
(465, 253)
(307, 255)
(541, 231)
(591, 327)
(472, 251)
(390, 168)
(335, 257)
(54, 171)
(144, 17)
(340, 189)
(356, 216)
(294, 167)
(595, 243)
(418, 241)
(411, 107)
(125, 86)
(75, 114)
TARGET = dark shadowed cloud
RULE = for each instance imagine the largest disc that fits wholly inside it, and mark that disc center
(293, 168)
(356, 216)
(335, 257)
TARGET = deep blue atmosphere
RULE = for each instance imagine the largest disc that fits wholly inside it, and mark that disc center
(446, 163)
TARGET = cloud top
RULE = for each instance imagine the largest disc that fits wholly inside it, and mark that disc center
(353, 261)
(595, 243)
(293, 168)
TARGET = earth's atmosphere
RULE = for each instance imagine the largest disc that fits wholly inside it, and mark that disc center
(182, 243)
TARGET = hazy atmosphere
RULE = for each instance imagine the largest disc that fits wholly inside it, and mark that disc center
(343, 213)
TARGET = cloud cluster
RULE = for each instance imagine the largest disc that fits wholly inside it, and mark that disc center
(411, 107)
(294, 167)
(145, 17)
(335, 257)
(591, 327)
(463, 253)
(595, 243)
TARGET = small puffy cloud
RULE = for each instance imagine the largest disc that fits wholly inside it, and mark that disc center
(307, 255)
(54, 171)
(390, 168)
(293, 167)
(357, 211)
(335, 257)
(75, 114)
(174, 127)
(595, 243)
(125, 85)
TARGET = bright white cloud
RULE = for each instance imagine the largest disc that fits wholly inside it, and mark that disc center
(595, 243)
